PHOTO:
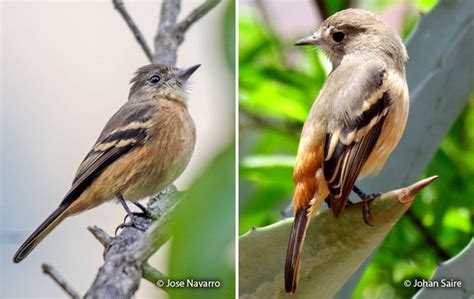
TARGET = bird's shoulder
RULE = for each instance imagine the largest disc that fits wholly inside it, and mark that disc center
(130, 114)
(127, 127)
(352, 88)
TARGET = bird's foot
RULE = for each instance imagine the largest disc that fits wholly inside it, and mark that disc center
(366, 200)
(134, 222)
(145, 213)
(366, 215)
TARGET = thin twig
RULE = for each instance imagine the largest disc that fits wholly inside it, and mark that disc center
(196, 14)
(120, 7)
(51, 272)
(100, 235)
(154, 276)
(443, 254)
(171, 33)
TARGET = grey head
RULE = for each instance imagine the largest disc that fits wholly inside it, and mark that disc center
(160, 80)
(359, 32)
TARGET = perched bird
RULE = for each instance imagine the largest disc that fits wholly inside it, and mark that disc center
(355, 123)
(143, 148)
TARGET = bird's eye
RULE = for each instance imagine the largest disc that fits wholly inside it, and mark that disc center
(154, 79)
(338, 36)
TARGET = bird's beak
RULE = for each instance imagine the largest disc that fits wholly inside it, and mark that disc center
(314, 39)
(184, 75)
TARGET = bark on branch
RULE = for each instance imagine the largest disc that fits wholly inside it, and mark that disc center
(127, 253)
(171, 33)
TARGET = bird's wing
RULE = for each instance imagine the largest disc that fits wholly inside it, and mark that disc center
(128, 128)
(359, 109)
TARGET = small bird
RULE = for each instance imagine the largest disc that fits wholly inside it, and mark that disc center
(355, 123)
(143, 148)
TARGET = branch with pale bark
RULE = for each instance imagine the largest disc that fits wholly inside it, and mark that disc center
(170, 33)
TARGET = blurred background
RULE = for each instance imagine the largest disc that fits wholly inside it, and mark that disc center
(65, 68)
(277, 86)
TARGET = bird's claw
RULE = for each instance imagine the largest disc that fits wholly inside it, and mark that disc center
(366, 215)
(146, 214)
(133, 223)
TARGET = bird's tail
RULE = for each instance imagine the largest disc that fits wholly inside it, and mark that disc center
(40, 233)
(293, 253)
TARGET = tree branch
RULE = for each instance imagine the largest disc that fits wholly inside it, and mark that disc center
(120, 7)
(170, 33)
(100, 235)
(51, 272)
(443, 254)
(153, 275)
(120, 275)
(196, 14)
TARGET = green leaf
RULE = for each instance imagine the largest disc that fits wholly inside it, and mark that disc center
(333, 250)
(203, 232)
(459, 268)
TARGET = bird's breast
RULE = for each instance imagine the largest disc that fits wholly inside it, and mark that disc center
(149, 168)
(165, 155)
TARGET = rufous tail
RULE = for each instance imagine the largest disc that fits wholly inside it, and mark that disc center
(293, 253)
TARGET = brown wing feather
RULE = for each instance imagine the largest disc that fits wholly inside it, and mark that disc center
(353, 159)
(81, 183)
(129, 116)
(354, 143)
(125, 130)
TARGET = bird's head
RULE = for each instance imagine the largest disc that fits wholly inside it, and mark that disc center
(161, 81)
(356, 31)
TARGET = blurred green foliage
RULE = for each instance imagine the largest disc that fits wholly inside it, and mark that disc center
(229, 34)
(203, 245)
(278, 84)
(421, 5)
